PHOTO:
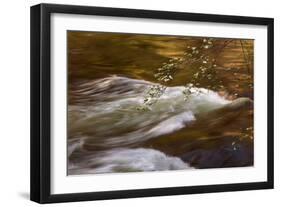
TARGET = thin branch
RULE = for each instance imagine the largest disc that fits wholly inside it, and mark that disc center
(245, 57)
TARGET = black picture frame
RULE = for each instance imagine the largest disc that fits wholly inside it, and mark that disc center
(41, 95)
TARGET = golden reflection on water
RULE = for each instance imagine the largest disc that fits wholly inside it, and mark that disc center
(93, 55)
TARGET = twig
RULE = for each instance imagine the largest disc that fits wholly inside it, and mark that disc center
(245, 57)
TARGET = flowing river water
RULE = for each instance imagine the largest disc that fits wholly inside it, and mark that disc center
(109, 76)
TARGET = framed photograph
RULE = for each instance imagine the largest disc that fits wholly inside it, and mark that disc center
(133, 103)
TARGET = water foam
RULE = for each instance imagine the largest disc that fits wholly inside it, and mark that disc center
(128, 160)
(103, 115)
(113, 119)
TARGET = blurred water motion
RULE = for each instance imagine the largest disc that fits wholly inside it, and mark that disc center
(109, 76)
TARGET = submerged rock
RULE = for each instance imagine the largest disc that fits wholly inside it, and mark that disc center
(220, 152)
